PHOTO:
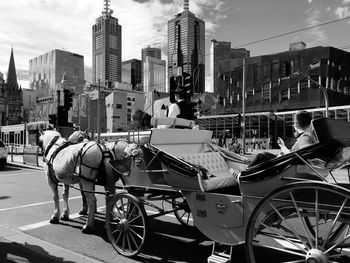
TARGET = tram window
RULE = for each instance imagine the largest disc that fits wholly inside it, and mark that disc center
(12, 137)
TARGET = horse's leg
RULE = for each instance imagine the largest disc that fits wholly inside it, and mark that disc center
(84, 210)
(65, 196)
(54, 187)
(91, 201)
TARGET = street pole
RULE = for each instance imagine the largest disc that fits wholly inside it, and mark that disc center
(98, 112)
(243, 104)
(323, 89)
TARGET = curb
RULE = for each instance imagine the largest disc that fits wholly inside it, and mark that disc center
(51, 251)
(15, 164)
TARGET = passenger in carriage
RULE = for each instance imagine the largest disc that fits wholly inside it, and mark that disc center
(305, 137)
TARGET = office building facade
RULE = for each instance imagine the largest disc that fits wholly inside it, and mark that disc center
(45, 76)
(154, 74)
(186, 47)
(106, 47)
(221, 52)
(267, 90)
(131, 72)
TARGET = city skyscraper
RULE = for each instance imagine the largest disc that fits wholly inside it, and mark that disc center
(154, 74)
(149, 51)
(186, 46)
(106, 47)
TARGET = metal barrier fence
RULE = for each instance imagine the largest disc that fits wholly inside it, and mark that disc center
(24, 154)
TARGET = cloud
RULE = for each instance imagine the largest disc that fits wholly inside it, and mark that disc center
(317, 35)
(309, 1)
(66, 24)
(342, 12)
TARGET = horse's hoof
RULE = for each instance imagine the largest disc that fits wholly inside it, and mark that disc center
(65, 218)
(83, 212)
(86, 230)
(54, 220)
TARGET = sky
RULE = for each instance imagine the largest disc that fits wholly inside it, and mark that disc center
(35, 27)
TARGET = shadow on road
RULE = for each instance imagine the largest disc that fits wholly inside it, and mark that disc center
(14, 252)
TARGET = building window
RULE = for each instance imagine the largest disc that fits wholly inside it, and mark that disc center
(128, 104)
(118, 106)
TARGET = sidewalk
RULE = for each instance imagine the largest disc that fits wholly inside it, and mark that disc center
(19, 247)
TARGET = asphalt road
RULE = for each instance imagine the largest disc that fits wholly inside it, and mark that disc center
(26, 205)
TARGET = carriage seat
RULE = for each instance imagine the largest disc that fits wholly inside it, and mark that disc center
(166, 122)
(270, 168)
(218, 173)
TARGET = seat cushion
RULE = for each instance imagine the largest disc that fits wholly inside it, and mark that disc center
(219, 175)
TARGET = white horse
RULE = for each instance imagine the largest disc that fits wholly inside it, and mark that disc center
(85, 163)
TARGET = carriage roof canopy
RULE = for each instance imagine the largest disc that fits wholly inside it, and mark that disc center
(38, 125)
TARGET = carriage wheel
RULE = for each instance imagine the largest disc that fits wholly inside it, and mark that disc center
(126, 224)
(182, 211)
(301, 222)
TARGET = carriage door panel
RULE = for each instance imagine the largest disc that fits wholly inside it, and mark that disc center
(218, 216)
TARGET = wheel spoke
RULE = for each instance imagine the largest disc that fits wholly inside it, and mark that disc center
(292, 252)
(133, 239)
(136, 234)
(131, 213)
(128, 240)
(136, 217)
(317, 218)
(334, 222)
(289, 225)
(302, 222)
(283, 237)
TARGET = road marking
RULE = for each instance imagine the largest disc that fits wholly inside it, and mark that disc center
(36, 204)
(47, 222)
(72, 216)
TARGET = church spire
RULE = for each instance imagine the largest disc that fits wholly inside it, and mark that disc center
(11, 79)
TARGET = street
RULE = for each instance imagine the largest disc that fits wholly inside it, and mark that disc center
(26, 205)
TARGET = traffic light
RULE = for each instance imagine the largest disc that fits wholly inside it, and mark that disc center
(62, 116)
(187, 82)
(68, 99)
(173, 86)
(285, 69)
(52, 119)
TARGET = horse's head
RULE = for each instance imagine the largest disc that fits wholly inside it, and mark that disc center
(124, 155)
(46, 137)
(122, 149)
(78, 136)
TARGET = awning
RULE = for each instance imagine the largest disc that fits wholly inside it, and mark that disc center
(38, 125)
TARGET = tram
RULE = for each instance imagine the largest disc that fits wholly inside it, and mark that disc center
(23, 134)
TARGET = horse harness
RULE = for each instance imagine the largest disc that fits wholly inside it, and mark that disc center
(106, 153)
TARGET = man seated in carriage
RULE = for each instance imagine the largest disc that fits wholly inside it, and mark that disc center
(305, 137)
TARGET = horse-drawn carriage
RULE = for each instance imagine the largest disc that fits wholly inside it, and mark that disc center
(288, 205)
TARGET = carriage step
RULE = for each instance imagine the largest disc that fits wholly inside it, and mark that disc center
(218, 259)
(220, 254)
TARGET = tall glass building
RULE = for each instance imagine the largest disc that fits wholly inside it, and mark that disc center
(106, 47)
(186, 46)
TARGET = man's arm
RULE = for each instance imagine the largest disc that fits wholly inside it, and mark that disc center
(174, 110)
